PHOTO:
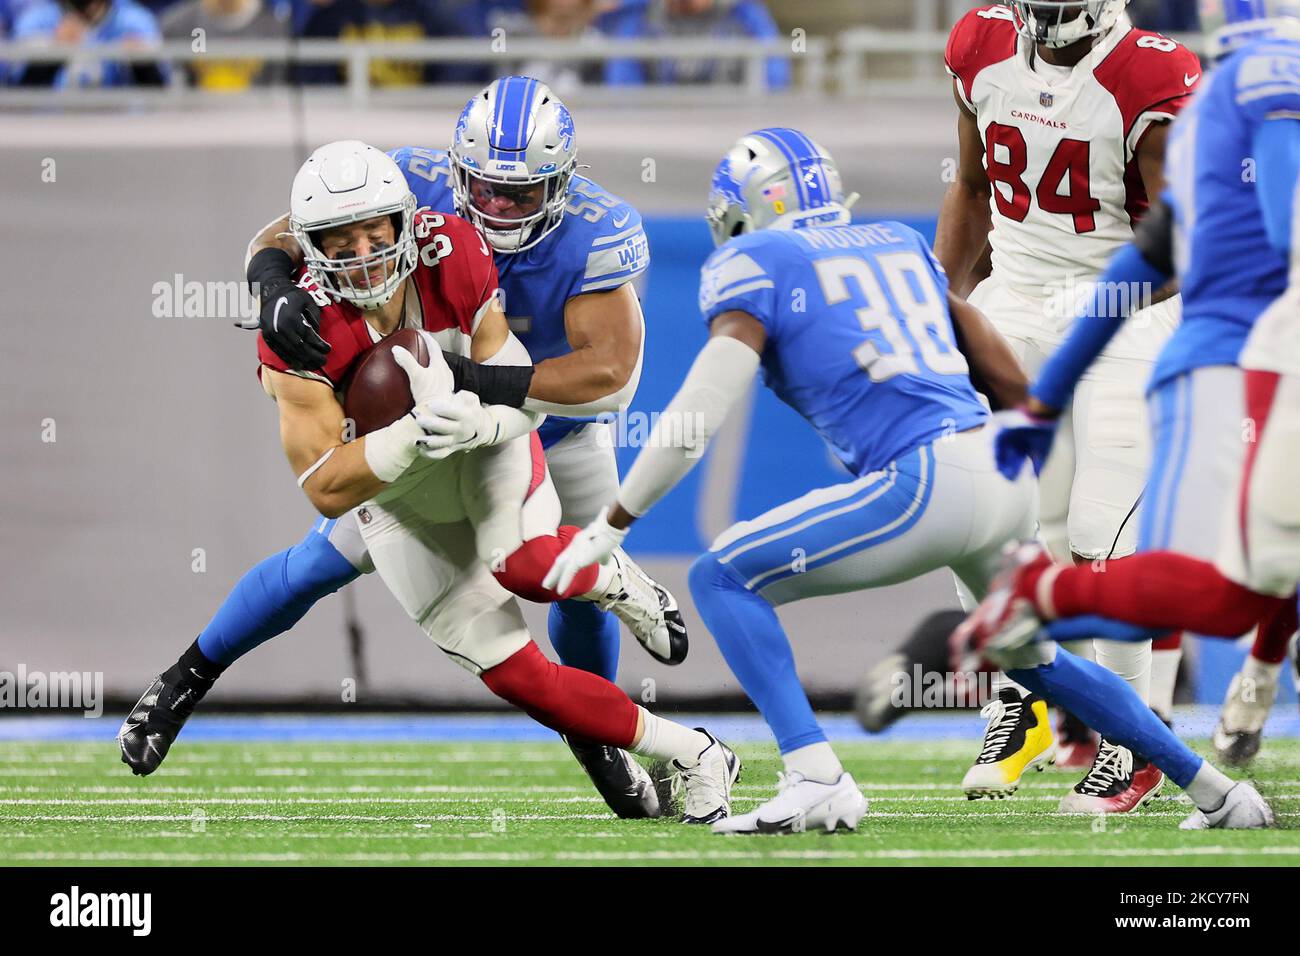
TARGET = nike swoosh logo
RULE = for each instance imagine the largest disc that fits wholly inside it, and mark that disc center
(775, 826)
(620, 223)
(275, 316)
(1189, 80)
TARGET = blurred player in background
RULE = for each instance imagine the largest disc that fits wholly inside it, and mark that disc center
(854, 328)
(1226, 441)
(455, 506)
(568, 253)
(1063, 111)
(87, 24)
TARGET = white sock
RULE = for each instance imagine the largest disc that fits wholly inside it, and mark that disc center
(1130, 660)
(666, 740)
(1261, 672)
(816, 762)
(1082, 648)
(1209, 787)
(604, 578)
(1164, 675)
(1001, 681)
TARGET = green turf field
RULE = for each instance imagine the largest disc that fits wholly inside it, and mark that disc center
(491, 804)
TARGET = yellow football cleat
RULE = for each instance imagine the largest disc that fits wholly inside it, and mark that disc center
(1018, 737)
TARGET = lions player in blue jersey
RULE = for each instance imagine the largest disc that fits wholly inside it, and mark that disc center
(853, 326)
(567, 253)
(1226, 228)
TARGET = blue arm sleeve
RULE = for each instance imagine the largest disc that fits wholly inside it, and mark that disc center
(1276, 149)
(1102, 319)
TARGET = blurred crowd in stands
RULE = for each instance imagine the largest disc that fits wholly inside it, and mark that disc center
(204, 24)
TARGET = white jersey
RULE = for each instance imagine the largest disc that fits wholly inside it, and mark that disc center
(1061, 144)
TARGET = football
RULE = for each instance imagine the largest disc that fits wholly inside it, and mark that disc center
(379, 392)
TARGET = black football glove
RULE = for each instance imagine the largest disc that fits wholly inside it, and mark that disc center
(290, 318)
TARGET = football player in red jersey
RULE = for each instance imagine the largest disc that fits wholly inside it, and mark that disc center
(458, 510)
(1063, 111)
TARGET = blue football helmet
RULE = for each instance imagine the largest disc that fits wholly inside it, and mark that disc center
(1232, 24)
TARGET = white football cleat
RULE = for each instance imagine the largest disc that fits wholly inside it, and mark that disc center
(1241, 722)
(648, 609)
(708, 784)
(801, 805)
(1243, 809)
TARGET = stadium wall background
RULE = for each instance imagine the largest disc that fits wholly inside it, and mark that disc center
(142, 472)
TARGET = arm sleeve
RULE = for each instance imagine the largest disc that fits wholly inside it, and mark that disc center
(720, 375)
(511, 422)
(1102, 318)
(1276, 149)
(493, 384)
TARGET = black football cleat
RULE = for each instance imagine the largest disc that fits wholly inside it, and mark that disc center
(622, 782)
(158, 716)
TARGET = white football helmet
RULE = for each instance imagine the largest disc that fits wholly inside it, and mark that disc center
(511, 138)
(346, 182)
(1058, 23)
(775, 178)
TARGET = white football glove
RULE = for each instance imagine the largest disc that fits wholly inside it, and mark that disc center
(592, 545)
(427, 383)
(453, 423)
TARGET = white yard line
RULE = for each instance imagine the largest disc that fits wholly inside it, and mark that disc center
(148, 789)
(655, 855)
(202, 800)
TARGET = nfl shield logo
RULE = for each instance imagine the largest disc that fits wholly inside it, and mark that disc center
(1046, 100)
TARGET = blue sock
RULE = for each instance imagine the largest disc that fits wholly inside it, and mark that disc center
(752, 640)
(1107, 704)
(585, 637)
(273, 596)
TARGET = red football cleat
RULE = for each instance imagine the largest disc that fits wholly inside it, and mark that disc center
(1076, 743)
(1117, 782)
